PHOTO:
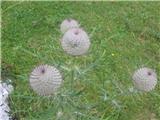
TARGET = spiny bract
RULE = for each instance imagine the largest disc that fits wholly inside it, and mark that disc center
(145, 79)
(68, 24)
(75, 41)
(45, 80)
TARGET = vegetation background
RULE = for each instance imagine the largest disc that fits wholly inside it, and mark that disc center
(98, 86)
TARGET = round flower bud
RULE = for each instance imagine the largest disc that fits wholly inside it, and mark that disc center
(45, 80)
(68, 24)
(75, 42)
(145, 79)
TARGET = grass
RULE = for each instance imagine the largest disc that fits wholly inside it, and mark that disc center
(98, 86)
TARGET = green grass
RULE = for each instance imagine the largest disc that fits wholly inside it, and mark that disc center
(124, 37)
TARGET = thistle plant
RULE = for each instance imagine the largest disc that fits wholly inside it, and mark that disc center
(145, 79)
(45, 80)
(75, 41)
(68, 24)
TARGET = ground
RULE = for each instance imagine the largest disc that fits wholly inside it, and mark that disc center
(124, 36)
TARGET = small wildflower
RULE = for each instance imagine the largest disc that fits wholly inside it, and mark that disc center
(59, 114)
(113, 54)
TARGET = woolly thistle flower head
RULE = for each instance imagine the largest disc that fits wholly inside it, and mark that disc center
(68, 24)
(145, 79)
(45, 80)
(75, 41)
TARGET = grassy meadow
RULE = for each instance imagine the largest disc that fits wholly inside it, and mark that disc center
(124, 36)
